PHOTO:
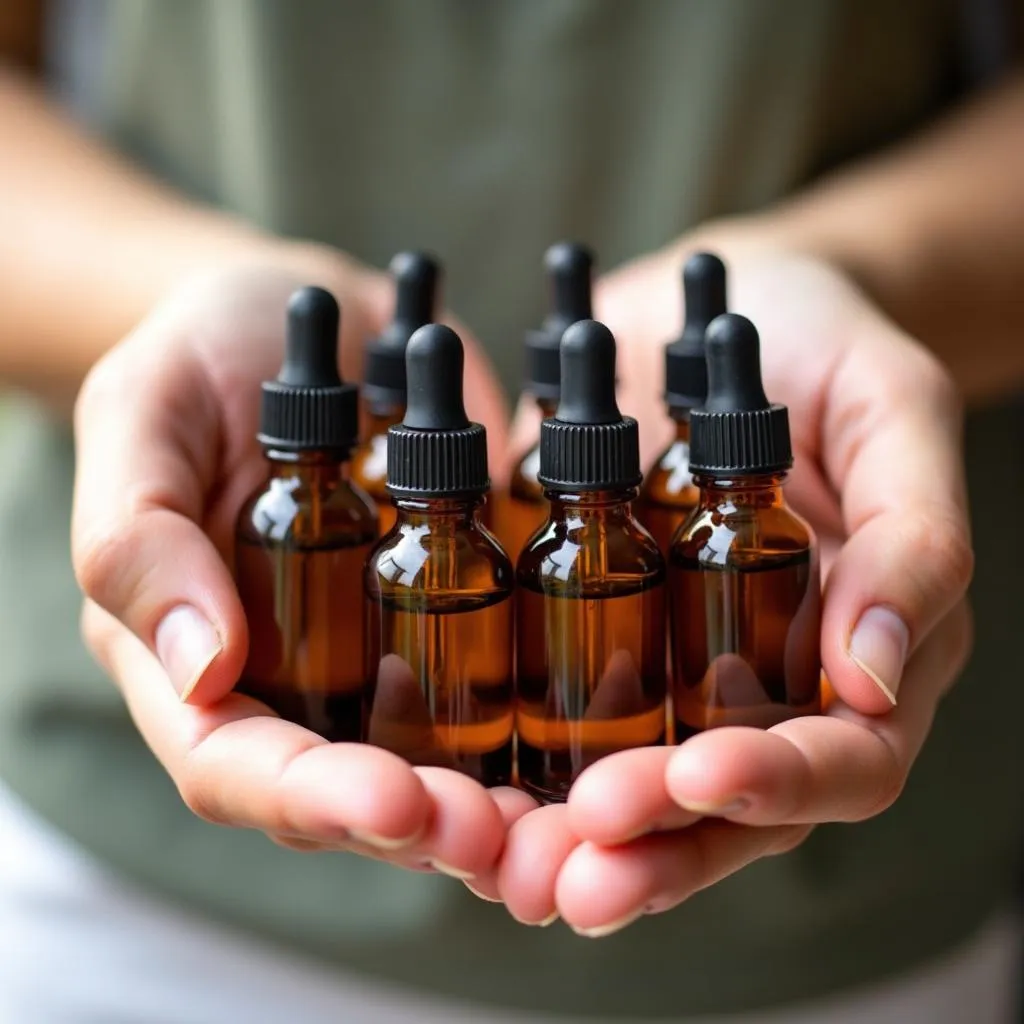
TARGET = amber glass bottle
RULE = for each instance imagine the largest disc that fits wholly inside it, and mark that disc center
(439, 587)
(668, 494)
(591, 600)
(569, 267)
(302, 539)
(416, 276)
(743, 570)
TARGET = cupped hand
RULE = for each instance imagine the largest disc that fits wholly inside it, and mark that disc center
(166, 454)
(876, 426)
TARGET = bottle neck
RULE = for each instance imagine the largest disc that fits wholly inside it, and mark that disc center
(681, 418)
(762, 491)
(459, 512)
(547, 407)
(318, 467)
(379, 418)
(608, 504)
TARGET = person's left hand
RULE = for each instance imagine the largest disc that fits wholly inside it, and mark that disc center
(876, 424)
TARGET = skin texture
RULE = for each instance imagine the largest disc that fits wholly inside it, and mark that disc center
(170, 311)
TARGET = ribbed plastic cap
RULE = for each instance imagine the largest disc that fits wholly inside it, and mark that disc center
(738, 432)
(686, 373)
(436, 452)
(309, 406)
(417, 276)
(589, 445)
(569, 268)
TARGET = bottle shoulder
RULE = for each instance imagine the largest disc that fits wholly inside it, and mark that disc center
(669, 481)
(726, 535)
(416, 558)
(290, 510)
(591, 556)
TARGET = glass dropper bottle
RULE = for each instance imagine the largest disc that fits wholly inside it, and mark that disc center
(743, 569)
(590, 623)
(438, 586)
(417, 283)
(303, 537)
(569, 268)
(668, 494)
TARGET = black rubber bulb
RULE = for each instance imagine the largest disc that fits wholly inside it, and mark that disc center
(734, 366)
(416, 276)
(569, 268)
(433, 373)
(588, 375)
(704, 294)
(311, 343)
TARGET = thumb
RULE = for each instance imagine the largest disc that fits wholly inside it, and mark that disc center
(148, 439)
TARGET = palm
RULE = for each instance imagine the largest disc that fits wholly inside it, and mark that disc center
(863, 399)
(167, 422)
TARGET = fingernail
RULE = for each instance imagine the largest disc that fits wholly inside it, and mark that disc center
(385, 842)
(719, 808)
(482, 895)
(451, 872)
(186, 644)
(879, 646)
(548, 921)
(603, 930)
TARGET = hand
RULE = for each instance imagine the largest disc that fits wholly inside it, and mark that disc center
(876, 428)
(165, 428)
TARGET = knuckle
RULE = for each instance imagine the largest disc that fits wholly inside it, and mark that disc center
(938, 385)
(100, 561)
(103, 384)
(942, 544)
(891, 781)
(199, 800)
(793, 837)
(883, 797)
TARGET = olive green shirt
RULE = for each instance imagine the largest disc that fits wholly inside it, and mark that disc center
(485, 130)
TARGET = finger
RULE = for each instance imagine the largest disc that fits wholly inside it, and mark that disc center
(892, 448)
(601, 890)
(623, 796)
(466, 831)
(235, 764)
(843, 766)
(512, 804)
(537, 845)
(146, 448)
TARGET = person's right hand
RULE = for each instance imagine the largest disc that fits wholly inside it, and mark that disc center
(166, 454)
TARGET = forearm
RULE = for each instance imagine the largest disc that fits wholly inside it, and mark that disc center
(934, 232)
(88, 245)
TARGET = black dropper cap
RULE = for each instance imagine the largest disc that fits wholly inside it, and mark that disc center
(569, 268)
(686, 372)
(309, 406)
(416, 276)
(589, 445)
(738, 432)
(435, 452)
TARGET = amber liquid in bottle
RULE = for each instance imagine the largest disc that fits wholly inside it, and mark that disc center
(591, 640)
(521, 511)
(440, 641)
(301, 543)
(668, 494)
(746, 610)
(370, 460)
